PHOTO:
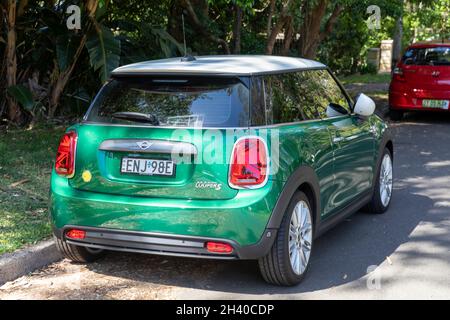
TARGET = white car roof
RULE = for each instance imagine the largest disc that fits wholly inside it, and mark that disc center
(242, 65)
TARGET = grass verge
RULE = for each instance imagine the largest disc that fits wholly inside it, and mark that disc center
(26, 158)
(366, 78)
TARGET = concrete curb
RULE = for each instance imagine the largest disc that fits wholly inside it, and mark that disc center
(19, 263)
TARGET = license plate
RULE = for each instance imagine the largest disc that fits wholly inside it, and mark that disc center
(436, 104)
(148, 167)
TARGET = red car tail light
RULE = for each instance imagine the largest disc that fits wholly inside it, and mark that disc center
(219, 247)
(65, 156)
(249, 163)
(76, 234)
(398, 74)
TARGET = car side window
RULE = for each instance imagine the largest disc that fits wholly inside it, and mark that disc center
(258, 104)
(290, 98)
(331, 93)
(299, 96)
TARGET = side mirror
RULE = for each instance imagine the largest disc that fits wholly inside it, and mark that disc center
(335, 110)
(364, 106)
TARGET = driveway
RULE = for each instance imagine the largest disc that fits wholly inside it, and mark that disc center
(404, 253)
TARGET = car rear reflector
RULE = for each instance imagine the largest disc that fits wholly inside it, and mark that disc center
(219, 247)
(65, 156)
(249, 164)
(76, 234)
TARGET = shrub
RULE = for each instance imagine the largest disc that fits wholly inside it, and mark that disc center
(368, 68)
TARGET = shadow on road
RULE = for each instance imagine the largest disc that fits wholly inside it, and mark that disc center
(426, 117)
(342, 255)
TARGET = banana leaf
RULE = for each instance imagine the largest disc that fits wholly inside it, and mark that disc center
(104, 51)
(23, 95)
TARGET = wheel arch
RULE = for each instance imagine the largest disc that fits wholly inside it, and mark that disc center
(303, 179)
(390, 146)
(308, 190)
(386, 142)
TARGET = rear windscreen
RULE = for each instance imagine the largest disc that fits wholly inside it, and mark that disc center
(436, 56)
(172, 102)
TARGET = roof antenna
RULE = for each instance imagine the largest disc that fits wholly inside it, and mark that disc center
(186, 57)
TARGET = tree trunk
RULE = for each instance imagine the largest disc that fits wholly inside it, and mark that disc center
(273, 35)
(237, 30)
(200, 28)
(91, 7)
(269, 19)
(329, 25)
(21, 8)
(282, 20)
(14, 112)
(288, 36)
(398, 36)
(175, 28)
(310, 29)
(64, 75)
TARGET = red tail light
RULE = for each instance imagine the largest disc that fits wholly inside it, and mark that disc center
(249, 163)
(76, 234)
(219, 247)
(398, 74)
(65, 156)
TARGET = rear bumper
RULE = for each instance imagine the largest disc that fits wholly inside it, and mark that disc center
(164, 244)
(402, 97)
(240, 221)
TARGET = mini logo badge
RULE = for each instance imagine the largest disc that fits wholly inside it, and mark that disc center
(208, 185)
(144, 145)
(435, 73)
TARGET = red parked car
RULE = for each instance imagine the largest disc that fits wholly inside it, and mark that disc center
(421, 80)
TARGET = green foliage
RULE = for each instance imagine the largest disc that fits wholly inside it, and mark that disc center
(343, 49)
(427, 21)
(23, 95)
(367, 78)
(245, 4)
(169, 46)
(104, 51)
(128, 31)
(368, 68)
(346, 47)
(65, 48)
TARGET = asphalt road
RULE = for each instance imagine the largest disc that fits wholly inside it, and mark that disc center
(406, 250)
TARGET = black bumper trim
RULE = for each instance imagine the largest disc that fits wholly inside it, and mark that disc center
(164, 244)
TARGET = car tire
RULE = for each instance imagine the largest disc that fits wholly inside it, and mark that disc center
(277, 267)
(78, 254)
(395, 115)
(382, 194)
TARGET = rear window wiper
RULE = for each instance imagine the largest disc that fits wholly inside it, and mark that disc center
(136, 117)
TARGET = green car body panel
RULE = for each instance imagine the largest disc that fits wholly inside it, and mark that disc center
(343, 152)
(239, 215)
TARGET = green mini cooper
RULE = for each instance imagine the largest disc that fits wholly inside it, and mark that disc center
(222, 157)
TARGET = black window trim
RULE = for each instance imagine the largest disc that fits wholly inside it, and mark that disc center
(437, 45)
(350, 101)
(245, 80)
(262, 75)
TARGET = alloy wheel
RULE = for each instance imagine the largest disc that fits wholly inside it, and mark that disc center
(386, 180)
(300, 237)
